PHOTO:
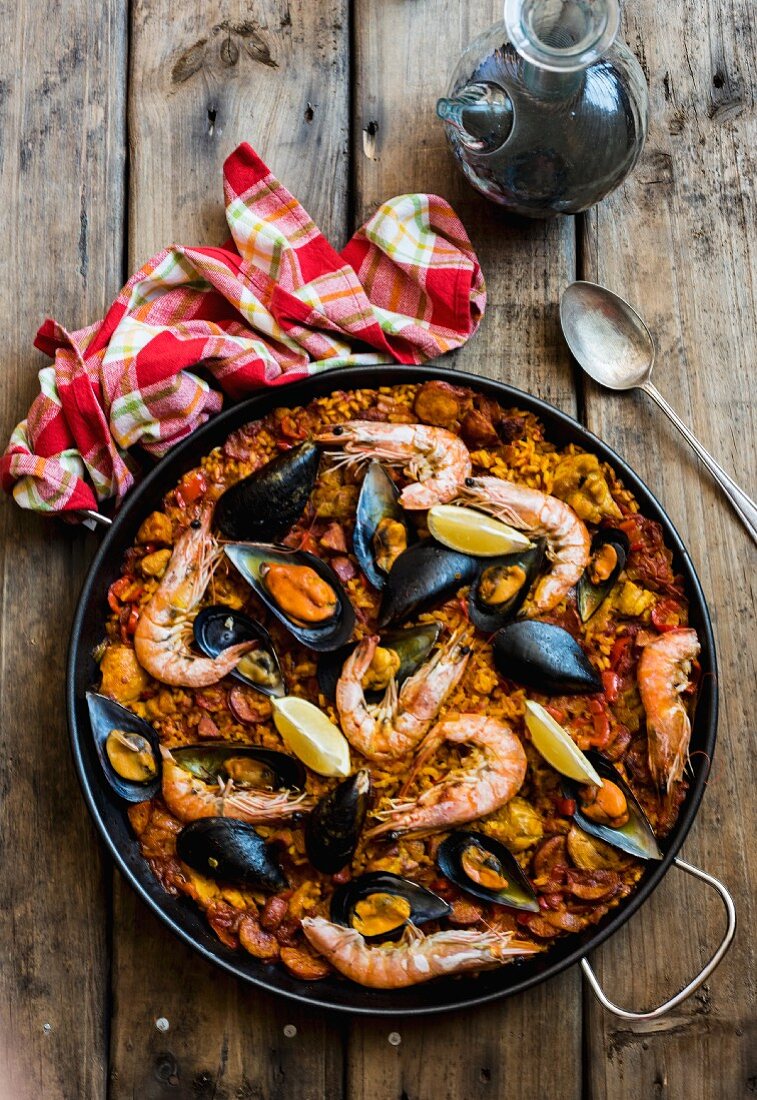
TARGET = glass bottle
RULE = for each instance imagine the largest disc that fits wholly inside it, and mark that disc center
(546, 111)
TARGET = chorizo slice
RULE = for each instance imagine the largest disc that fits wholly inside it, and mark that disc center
(304, 963)
(256, 940)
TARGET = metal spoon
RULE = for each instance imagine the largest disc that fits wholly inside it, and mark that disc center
(615, 348)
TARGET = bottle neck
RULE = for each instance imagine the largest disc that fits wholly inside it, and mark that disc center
(558, 39)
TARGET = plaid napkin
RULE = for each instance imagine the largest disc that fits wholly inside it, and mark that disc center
(274, 304)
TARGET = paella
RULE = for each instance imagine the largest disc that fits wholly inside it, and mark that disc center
(394, 687)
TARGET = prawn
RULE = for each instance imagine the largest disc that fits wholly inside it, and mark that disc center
(413, 959)
(189, 798)
(568, 540)
(663, 675)
(435, 458)
(398, 723)
(466, 793)
(164, 629)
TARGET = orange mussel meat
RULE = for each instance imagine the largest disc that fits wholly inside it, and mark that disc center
(300, 592)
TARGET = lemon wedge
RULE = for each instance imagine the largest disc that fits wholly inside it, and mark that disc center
(557, 747)
(309, 734)
(471, 532)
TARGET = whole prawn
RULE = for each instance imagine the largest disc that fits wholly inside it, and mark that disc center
(438, 460)
(464, 794)
(189, 798)
(164, 629)
(568, 540)
(415, 958)
(664, 669)
(398, 723)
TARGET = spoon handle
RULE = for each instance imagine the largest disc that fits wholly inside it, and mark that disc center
(745, 507)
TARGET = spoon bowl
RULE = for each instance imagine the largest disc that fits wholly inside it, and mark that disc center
(606, 336)
(612, 344)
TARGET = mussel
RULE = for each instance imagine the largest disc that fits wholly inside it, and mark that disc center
(502, 586)
(230, 850)
(411, 648)
(609, 550)
(247, 765)
(128, 748)
(485, 868)
(218, 627)
(301, 590)
(333, 828)
(381, 530)
(264, 506)
(544, 657)
(379, 905)
(424, 574)
(612, 813)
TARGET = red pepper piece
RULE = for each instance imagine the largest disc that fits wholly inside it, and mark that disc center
(611, 684)
(666, 615)
(192, 486)
(565, 806)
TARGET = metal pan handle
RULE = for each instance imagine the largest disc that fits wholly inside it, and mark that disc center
(92, 519)
(703, 974)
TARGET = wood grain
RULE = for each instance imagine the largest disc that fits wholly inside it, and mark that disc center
(314, 94)
(678, 242)
(62, 147)
(403, 55)
(203, 78)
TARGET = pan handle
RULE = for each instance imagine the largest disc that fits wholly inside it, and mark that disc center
(703, 974)
(94, 519)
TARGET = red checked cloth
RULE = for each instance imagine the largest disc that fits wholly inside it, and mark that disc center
(275, 304)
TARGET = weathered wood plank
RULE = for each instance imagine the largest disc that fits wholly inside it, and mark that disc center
(678, 241)
(203, 78)
(529, 1046)
(62, 83)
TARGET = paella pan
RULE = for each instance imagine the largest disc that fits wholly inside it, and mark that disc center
(402, 715)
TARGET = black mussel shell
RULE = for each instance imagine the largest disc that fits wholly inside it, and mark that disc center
(636, 836)
(231, 851)
(265, 506)
(427, 573)
(489, 616)
(249, 557)
(424, 905)
(267, 769)
(333, 828)
(412, 646)
(544, 657)
(590, 596)
(217, 628)
(105, 716)
(378, 501)
(453, 854)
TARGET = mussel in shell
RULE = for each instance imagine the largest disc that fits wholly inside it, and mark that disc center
(333, 828)
(544, 657)
(128, 749)
(247, 765)
(612, 813)
(502, 586)
(609, 551)
(217, 628)
(410, 648)
(426, 573)
(264, 506)
(301, 590)
(483, 867)
(231, 851)
(381, 527)
(379, 905)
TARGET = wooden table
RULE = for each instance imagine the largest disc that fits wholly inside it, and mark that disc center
(113, 129)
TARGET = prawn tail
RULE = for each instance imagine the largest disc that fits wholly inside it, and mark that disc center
(681, 754)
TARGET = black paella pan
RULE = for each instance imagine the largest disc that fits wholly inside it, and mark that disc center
(334, 992)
